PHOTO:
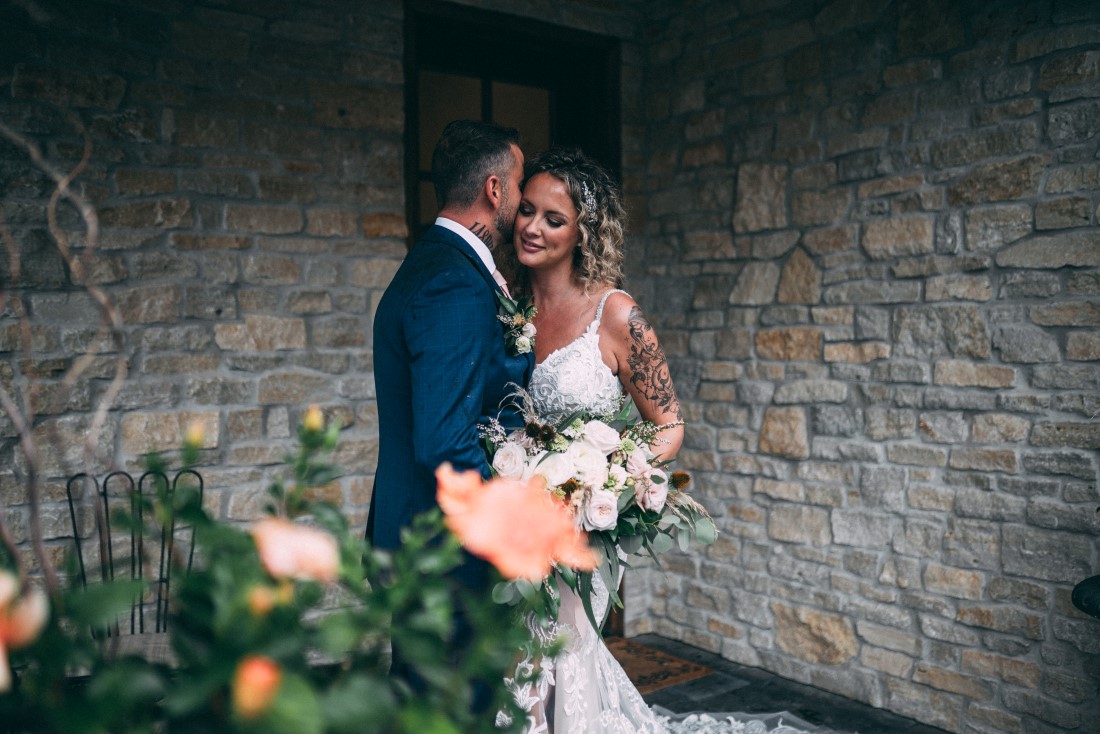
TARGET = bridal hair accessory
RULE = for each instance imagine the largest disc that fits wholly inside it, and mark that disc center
(517, 317)
(589, 202)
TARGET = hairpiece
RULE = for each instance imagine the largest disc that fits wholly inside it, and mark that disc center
(589, 202)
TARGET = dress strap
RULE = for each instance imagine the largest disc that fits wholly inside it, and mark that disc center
(599, 310)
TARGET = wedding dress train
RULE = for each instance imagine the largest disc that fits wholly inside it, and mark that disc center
(584, 690)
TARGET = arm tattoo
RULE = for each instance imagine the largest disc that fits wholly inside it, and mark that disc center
(648, 367)
(483, 233)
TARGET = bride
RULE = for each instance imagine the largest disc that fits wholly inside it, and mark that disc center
(593, 345)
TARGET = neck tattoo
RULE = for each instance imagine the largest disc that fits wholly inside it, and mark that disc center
(483, 233)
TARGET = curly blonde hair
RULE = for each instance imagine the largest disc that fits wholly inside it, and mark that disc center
(601, 219)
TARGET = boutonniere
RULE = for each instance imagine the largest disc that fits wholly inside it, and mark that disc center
(517, 316)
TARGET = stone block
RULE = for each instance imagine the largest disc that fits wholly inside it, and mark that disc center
(923, 703)
(916, 455)
(862, 529)
(831, 239)
(1073, 249)
(998, 181)
(857, 352)
(800, 281)
(953, 682)
(968, 374)
(886, 239)
(811, 391)
(384, 224)
(789, 344)
(761, 197)
(356, 106)
(1047, 555)
(1069, 463)
(150, 304)
(1083, 346)
(148, 214)
(1076, 313)
(1074, 211)
(260, 219)
(1067, 377)
(1000, 427)
(1056, 515)
(1070, 124)
(373, 273)
(1026, 344)
(188, 241)
(294, 388)
(954, 582)
(991, 228)
(958, 288)
(783, 433)
(1032, 703)
(996, 460)
(1073, 435)
(145, 432)
(799, 524)
(269, 270)
(972, 544)
(812, 635)
(886, 423)
(887, 661)
(756, 284)
(871, 292)
(824, 207)
(837, 420)
(261, 334)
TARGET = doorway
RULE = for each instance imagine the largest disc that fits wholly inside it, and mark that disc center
(556, 85)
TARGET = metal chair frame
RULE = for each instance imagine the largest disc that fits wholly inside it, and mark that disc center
(136, 492)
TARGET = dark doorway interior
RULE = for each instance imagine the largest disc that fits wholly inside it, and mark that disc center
(554, 84)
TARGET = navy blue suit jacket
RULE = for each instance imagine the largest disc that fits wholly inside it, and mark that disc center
(440, 369)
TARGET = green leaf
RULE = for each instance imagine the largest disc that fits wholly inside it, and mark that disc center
(705, 531)
(661, 543)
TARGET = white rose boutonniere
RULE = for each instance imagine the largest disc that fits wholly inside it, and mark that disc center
(519, 332)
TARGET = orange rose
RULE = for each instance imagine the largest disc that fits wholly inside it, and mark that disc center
(255, 685)
(21, 620)
(288, 550)
(515, 525)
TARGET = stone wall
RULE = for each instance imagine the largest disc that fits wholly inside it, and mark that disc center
(247, 167)
(871, 247)
(866, 232)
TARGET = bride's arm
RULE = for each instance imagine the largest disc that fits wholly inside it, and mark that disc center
(643, 371)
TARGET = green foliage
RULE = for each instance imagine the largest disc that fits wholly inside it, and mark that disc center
(330, 641)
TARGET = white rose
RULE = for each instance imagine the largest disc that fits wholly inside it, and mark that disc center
(602, 511)
(652, 495)
(617, 475)
(637, 464)
(532, 464)
(589, 464)
(602, 436)
(523, 344)
(555, 468)
(529, 330)
(510, 460)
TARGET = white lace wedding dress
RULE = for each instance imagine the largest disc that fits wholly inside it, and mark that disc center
(584, 690)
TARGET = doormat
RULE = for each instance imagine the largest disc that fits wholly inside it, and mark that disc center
(651, 670)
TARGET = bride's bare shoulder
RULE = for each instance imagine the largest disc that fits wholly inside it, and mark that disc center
(619, 311)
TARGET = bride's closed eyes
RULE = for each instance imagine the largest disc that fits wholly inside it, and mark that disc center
(554, 219)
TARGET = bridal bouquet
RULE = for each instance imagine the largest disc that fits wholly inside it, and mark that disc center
(603, 469)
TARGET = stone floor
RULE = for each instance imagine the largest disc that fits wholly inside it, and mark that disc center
(734, 687)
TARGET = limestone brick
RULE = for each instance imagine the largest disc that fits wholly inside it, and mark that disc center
(784, 433)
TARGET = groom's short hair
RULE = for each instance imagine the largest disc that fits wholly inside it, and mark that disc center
(468, 152)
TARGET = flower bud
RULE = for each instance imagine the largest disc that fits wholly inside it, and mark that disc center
(195, 436)
(314, 419)
(255, 685)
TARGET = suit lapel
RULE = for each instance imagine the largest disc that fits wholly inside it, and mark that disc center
(449, 238)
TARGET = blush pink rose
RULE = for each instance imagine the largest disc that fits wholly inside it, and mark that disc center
(289, 550)
(653, 491)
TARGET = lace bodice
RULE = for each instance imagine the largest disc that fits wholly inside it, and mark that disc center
(575, 377)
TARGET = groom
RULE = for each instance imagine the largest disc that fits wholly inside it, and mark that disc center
(440, 362)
